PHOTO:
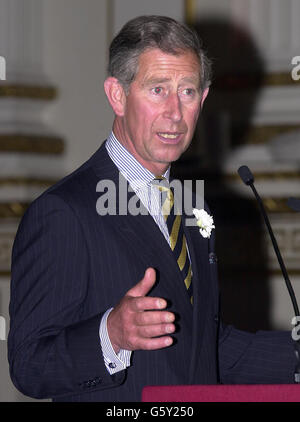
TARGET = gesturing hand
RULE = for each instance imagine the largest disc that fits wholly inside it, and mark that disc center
(137, 321)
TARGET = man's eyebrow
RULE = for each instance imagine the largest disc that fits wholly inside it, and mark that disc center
(155, 81)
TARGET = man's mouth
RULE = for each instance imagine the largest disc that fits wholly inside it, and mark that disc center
(170, 137)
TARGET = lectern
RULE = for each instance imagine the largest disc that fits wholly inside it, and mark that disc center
(222, 393)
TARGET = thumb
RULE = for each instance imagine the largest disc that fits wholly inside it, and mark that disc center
(144, 285)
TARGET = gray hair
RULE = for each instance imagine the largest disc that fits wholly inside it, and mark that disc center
(152, 31)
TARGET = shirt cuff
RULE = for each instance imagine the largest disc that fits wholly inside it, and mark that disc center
(113, 362)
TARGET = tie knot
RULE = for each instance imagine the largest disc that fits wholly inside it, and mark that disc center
(161, 182)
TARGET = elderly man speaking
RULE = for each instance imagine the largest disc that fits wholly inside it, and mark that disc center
(103, 304)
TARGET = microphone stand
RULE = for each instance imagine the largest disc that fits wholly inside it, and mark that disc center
(248, 179)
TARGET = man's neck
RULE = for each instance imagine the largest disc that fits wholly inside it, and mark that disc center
(157, 170)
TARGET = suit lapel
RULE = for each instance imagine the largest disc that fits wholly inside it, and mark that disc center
(142, 232)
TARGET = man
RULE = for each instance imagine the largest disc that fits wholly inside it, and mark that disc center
(99, 304)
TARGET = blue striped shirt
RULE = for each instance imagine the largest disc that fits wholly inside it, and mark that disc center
(139, 178)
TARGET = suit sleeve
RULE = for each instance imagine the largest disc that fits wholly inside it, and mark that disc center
(52, 350)
(264, 357)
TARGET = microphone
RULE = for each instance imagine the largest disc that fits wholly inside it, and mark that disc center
(248, 178)
(246, 175)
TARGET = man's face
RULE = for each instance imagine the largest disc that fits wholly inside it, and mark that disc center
(160, 112)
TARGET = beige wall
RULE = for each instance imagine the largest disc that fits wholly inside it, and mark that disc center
(75, 56)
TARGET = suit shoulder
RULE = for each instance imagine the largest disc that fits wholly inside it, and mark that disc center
(74, 188)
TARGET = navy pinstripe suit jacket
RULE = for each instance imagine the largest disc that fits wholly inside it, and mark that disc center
(69, 265)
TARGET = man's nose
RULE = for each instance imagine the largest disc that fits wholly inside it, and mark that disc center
(174, 108)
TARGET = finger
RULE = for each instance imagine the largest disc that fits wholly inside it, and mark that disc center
(151, 331)
(155, 343)
(144, 285)
(140, 304)
(153, 317)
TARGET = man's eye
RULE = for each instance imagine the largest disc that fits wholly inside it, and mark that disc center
(157, 90)
(188, 91)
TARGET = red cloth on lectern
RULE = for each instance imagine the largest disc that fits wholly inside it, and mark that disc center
(222, 393)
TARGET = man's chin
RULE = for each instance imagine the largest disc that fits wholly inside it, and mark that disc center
(169, 155)
(167, 161)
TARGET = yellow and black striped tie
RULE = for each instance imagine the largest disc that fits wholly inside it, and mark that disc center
(175, 228)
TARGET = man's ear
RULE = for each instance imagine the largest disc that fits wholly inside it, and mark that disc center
(115, 94)
(204, 95)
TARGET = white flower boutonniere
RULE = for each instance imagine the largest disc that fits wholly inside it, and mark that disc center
(204, 221)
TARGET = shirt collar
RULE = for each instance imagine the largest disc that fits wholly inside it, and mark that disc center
(137, 175)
